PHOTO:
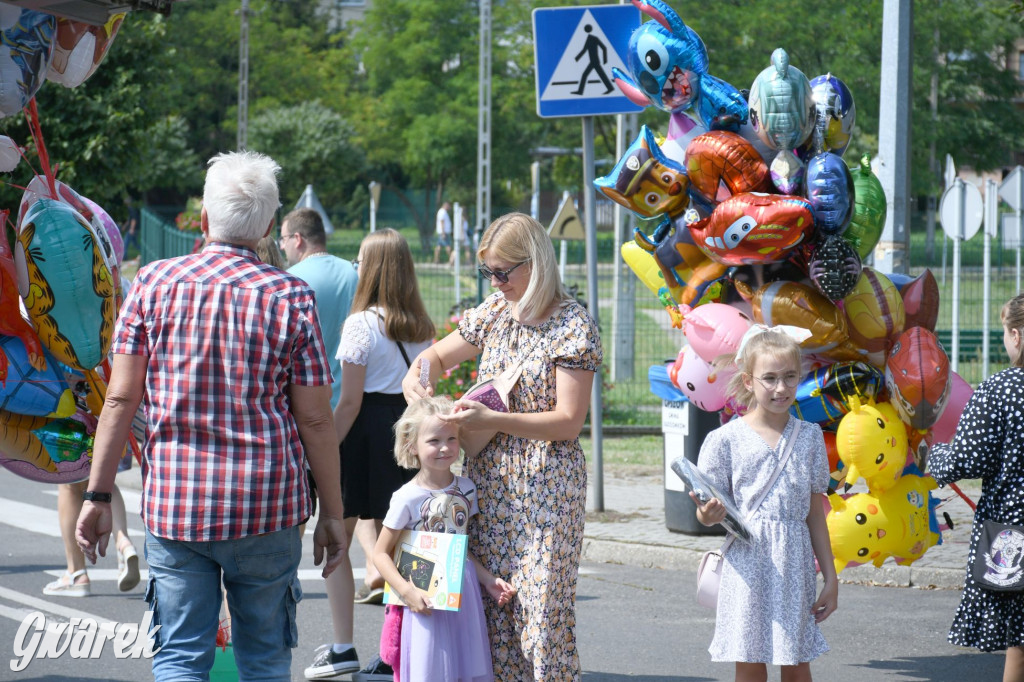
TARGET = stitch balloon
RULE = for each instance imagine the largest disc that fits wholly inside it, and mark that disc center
(826, 394)
(782, 110)
(872, 442)
(669, 67)
(835, 114)
(899, 523)
(828, 185)
(26, 38)
(721, 164)
(713, 329)
(834, 267)
(65, 283)
(869, 209)
(754, 228)
(917, 376)
(79, 48)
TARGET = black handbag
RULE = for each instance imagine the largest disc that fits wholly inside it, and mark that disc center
(999, 558)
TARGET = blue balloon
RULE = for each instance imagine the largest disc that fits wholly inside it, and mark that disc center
(828, 186)
(835, 114)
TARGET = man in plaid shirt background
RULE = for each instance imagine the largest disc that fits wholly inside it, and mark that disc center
(228, 355)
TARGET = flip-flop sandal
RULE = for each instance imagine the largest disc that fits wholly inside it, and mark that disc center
(369, 595)
(66, 586)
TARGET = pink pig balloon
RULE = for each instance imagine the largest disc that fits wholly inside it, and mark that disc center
(713, 329)
(698, 380)
(960, 392)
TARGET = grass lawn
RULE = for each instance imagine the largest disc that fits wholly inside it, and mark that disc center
(628, 456)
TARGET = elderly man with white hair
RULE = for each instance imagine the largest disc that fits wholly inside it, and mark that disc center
(227, 353)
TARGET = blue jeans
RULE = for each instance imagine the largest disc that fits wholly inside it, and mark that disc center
(184, 592)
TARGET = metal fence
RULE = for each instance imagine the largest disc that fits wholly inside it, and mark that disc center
(639, 338)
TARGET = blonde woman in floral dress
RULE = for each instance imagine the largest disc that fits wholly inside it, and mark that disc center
(531, 475)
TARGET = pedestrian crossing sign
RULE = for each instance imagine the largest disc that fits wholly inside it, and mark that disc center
(574, 50)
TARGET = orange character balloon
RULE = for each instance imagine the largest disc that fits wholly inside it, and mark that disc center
(721, 164)
(754, 228)
(899, 523)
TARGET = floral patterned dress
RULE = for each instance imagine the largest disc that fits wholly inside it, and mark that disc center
(989, 444)
(768, 584)
(532, 493)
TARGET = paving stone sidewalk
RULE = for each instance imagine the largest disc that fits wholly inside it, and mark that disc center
(632, 531)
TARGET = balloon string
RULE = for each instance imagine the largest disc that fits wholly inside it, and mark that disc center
(966, 499)
(32, 114)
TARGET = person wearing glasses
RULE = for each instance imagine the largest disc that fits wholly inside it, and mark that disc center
(387, 327)
(531, 475)
(769, 607)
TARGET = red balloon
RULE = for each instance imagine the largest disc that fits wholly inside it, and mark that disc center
(921, 301)
(754, 228)
(917, 376)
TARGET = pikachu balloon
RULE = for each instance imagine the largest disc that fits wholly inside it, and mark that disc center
(872, 442)
(898, 523)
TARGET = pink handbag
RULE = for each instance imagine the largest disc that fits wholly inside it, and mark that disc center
(709, 573)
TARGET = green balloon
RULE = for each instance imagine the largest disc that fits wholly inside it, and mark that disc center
(865, 228)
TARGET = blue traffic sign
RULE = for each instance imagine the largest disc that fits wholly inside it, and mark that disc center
(575, 49)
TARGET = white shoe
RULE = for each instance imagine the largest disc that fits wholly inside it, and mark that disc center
(127, 567)
(67, 585)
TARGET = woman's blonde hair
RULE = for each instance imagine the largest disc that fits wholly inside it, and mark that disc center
(407, 428)
(387, 278)
(518, 238)
(773, 343)
(1012, 316)
(268, 252)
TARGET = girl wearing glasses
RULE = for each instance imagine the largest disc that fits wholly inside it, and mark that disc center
(531, 476)
(768, 611)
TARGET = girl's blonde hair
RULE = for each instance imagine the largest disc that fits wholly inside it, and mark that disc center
(518, 238)
(387, 278)
(1012, 316)
(407, 428)
(776, 344)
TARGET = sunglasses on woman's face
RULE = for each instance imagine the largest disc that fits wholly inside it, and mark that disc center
(500, 275)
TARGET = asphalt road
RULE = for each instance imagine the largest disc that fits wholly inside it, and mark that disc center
(633, 623)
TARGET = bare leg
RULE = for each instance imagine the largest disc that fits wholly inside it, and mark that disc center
(796, 673)
(127, 556)
(340, 591)
(751, 672)
(1013, 669)
(75, 581)
(366, 533)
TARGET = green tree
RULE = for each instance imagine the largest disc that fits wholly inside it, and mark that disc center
(313, 145)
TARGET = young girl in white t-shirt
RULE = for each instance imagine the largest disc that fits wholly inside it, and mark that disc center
(437, 646)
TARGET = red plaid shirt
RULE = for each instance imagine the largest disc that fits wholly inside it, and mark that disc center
(225, 336)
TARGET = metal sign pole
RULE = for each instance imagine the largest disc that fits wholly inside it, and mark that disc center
(457, 237)
(590, 226)
(990, 230)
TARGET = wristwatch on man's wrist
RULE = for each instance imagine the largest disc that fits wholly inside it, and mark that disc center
(93, 496)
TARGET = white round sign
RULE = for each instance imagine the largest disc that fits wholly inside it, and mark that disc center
(961, 211)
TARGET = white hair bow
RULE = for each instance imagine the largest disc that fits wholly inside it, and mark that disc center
(798, 334)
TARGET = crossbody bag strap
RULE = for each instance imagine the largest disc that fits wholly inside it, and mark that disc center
(786, 452)
(401, 348)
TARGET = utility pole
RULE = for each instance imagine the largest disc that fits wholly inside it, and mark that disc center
(243, 78)
(891, 254)
(483, 146)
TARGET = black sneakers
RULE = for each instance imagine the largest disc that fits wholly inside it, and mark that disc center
(326, 663)
(376, 671)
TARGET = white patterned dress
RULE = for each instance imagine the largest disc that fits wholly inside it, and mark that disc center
(768, 585)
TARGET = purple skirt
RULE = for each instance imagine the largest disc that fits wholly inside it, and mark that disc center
(448, 646)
